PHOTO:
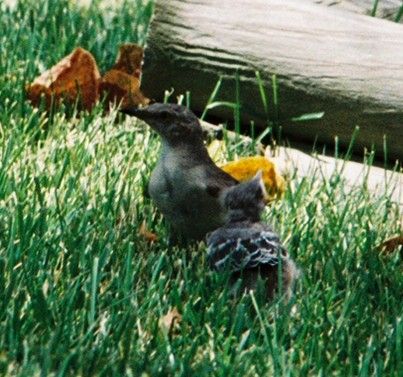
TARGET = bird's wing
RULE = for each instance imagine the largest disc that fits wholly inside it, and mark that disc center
(236, 254)
(217, 180)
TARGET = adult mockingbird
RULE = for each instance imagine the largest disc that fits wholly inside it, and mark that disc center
(185, 184)
(246, 247)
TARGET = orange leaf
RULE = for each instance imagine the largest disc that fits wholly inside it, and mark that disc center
(130, 59)
(170, 320)
(120, 86)
(122, 82)
(75, 75)
(246, 168)
(147, 235)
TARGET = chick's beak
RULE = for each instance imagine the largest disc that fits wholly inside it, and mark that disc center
(258, 178)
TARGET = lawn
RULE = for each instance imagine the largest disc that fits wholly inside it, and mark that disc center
(82, 292)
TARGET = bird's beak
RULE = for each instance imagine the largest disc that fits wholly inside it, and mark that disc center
(258, 178)
(138, 112)
(148, 114)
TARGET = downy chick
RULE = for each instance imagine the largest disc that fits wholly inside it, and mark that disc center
(248, 248)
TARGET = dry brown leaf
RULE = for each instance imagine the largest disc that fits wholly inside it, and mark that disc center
(170, 321)
(146, 234)
(121, 84)
(130, 59)
(118, 86)
(390, 245)
(75, 75)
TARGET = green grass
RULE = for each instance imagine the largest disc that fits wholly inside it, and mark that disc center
(81, 292)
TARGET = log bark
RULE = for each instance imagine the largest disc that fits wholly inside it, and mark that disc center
(327, 60)
(388, 9)
(294, 163)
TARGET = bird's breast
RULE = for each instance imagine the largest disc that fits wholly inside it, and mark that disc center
(179, 191)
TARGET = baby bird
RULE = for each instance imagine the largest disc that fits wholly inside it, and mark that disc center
(185, 184)
(248, 248)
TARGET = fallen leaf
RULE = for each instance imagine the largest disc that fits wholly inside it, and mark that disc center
(390, 245)
(170, 321)
(120, 87)
(246, 168)
(130, 59)
(121, 84)
(75, 76)
(146, 234)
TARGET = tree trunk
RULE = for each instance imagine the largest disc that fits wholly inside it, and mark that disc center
(327, 60)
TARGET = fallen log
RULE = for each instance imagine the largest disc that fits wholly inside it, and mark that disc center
(388, 9)
(327, 60)
(292, 162)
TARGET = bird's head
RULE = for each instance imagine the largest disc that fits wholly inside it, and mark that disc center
(174, 123)
(246, 201)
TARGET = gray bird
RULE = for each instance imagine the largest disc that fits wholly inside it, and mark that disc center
(185, 184)
(248, 248)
